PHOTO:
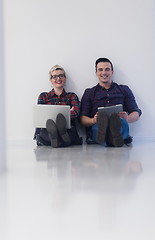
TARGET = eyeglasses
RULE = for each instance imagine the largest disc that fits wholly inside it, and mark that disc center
(58, 76)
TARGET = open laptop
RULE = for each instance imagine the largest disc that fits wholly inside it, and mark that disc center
(43, 112)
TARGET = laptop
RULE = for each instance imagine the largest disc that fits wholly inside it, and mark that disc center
(43, 112)
(111, 109)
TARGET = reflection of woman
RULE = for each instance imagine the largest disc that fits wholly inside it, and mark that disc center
(55, 134)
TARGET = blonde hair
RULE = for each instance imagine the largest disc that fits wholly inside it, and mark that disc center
(55, 67)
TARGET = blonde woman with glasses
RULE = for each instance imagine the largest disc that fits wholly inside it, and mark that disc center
(56, 134)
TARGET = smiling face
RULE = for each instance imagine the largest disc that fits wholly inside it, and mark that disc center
(104, 73)
(58, 78)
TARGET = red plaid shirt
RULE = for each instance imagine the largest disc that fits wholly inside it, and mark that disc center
(65, 98)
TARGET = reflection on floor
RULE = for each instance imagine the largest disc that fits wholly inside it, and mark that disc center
(79, 193)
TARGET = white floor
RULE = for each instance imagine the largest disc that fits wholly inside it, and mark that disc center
(78, 193)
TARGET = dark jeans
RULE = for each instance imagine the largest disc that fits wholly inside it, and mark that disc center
(42, 138)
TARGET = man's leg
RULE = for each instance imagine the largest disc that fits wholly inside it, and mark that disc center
(94, 131)
(102, 124)
(115, 138)
(118, 131)
(125, 131)
(99, 130)
(124, 128)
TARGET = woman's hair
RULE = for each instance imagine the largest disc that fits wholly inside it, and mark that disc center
(55, 67)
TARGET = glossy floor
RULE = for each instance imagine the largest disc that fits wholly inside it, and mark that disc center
(78, 193)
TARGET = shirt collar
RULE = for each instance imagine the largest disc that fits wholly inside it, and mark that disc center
(111, 86)
(62, 94)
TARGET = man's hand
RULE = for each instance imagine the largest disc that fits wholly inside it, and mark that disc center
(123, 115)
(95, 118)
(130, 118)
(87, 121)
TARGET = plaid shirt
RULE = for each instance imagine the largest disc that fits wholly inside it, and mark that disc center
(65, 98)
(98, 96)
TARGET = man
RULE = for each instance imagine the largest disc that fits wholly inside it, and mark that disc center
(114, 131)
(56, 134)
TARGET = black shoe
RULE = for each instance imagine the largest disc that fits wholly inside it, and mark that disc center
(102, 123)
(128, 140)
(52, 132)
(115, 137)
(40, 141)
(78, 141)
(61, 126)
(90, 141)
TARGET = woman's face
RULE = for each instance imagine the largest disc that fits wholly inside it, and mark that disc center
(58, 78)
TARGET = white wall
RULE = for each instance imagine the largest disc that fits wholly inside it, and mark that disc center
(2, 103)
(41, 33)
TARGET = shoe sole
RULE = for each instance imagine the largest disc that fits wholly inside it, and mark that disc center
(114, 127)
(61, 126)
(102, 123)
(52, 131)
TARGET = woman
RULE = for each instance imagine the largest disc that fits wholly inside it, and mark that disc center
(56, 134)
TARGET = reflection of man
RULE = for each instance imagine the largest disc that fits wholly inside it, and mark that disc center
(115, 129)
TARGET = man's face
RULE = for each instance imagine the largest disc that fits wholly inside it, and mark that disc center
(104, 72)
(58, 78)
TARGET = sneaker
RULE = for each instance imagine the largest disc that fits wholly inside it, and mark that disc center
(53, 133)
(115, 137)
(61, 126)
(102, 123)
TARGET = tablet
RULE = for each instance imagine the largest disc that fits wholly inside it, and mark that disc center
(111, 109)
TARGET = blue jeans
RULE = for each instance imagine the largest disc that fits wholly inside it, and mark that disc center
(124, 129)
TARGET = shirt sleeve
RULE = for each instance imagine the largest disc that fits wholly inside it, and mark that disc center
(86, 104)
(74, 102)
(42, 98)
(130, 102)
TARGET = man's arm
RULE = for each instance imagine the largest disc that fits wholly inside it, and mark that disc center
(130, 118)
(87, 121)
(130, 105)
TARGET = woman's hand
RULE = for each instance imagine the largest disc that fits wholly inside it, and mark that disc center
(72, 109)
